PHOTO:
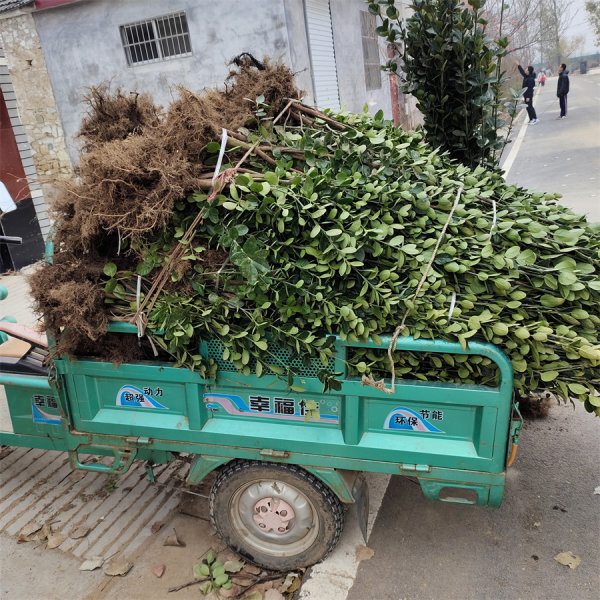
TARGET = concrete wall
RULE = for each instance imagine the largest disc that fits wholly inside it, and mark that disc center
(32, 109)
(345, 19)
(82, 45)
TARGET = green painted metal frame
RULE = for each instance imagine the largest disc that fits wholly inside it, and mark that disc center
(325, 449)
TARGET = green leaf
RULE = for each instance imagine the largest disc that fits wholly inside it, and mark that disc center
(569, 237)
(213, 147)
(217, 570)
(271, 178)
(142, 269)
(551, 301)
(211, 556)
(201, 570)
(577, 388)
(110, 269)
(298, 388)
(526, 258)
(549, 375)
(567, 277)
(500, 328)
(206, 587)
(334, 232)
(410, 249)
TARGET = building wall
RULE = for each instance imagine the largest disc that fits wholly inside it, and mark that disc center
(34, 116)
(94, 53)
(345, 18)
(298, 47)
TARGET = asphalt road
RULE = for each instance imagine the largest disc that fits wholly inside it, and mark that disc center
(564, 155)
(426, 550)
(436, 551)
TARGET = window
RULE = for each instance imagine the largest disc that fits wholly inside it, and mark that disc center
(370, 51)
(157, 39)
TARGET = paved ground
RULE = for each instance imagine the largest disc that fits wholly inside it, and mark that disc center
(426, 551)
(564, 155)
(422, 550)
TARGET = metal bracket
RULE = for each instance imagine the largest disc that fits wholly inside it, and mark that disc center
(274, 453)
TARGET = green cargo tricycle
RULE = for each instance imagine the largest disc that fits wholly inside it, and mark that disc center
(285, 468)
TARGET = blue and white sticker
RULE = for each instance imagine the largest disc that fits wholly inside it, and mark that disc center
(129, 395)
(405, 419)
(41, 416)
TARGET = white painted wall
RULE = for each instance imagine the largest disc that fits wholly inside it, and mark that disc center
(82, 46)
(345, 17)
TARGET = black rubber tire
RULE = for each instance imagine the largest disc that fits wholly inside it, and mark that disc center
(240, 474)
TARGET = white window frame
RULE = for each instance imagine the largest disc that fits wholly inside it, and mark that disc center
(133, 49)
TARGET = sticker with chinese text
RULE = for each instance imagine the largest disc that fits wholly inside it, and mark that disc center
(129, 395)
(276, 407)
(405, 419)
(38, 403)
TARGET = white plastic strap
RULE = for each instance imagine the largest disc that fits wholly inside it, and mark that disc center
(494, 219)
(140, 321)
(221, 153)
(452, 303)
(119, 246)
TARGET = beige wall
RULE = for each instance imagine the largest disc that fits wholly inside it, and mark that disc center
(35, 99)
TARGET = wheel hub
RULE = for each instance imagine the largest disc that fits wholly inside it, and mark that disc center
(273, 514)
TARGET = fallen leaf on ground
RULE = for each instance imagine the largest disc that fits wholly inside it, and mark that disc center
(55, 540)
(23, 538)
(79, 532)
(243, 581)
(233, 566)
(597, 490)
(91, 563)
(253, 570)
(273, 594)
(158, 570)
(156, 526)
(76, 476)
(118, 565)
(233, 592)
(568, 559)
(364, 553)
(45, 531)
(30, 528)
(173, 540)
(291, 584)
(254, 596)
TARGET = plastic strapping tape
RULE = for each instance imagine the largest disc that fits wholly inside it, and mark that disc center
(452, 303)
(138, 293)
(221, 153)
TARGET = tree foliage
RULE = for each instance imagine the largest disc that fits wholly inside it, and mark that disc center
(592, 8)
(332, 235)
(446, 61)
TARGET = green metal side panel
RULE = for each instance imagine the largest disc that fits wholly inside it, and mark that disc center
(35, 414)
(422, 423)
(440, 433)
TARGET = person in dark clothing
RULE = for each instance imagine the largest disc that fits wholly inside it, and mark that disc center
(528, 85)
(562, 89)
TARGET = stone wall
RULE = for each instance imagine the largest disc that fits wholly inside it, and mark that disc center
(35, 99)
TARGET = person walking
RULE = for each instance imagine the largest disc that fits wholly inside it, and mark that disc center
(562, 89)
(528, 85)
